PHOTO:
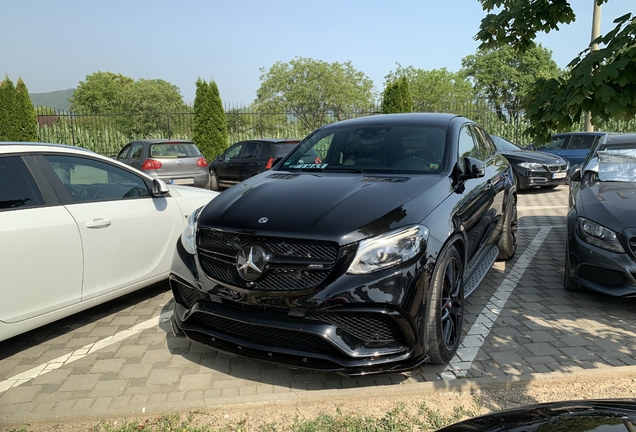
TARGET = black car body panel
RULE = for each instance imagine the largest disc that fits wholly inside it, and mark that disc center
(276, 274)
(608, 205)
(552, 170)
(593, 415)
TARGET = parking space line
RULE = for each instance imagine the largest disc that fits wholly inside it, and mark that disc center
(460, 365)
(80, 353)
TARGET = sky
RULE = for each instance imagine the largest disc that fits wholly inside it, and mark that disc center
(55, 45)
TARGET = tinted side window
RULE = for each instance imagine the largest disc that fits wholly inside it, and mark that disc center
(485, 148)
(18, 186)
(135, 152)
(123, 154)
(89, 180)
(581, 142)
(251, 150)
(234, 151)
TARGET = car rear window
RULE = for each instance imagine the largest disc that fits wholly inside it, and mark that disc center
(174, 150)
(280, 150)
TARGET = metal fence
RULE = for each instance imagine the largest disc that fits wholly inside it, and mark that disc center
(107, 133)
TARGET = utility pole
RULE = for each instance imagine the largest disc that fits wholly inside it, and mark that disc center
(596, 32)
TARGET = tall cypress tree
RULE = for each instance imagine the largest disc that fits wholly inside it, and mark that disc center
(4, 114)
(397, 97)
(27, 123)
(9, 125)
(219, 121)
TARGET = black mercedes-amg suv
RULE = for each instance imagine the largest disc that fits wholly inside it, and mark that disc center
(357, 261)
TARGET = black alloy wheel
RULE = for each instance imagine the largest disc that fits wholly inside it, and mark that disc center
(446, 308)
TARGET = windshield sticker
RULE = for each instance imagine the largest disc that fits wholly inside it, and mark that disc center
(308, 166)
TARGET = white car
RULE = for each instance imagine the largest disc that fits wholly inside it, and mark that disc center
(78, 229)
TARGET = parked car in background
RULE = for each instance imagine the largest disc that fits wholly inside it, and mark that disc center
(78, 229)
(175, 162)
(601, 239)
(245, 159)
(592, 415)
(358, 262)
(573, 146)
(533, 168)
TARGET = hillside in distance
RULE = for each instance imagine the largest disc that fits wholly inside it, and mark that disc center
(56, 99)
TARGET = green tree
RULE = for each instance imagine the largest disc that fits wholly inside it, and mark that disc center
(397, 97)
(314, 91)
(27, 123)
(101, 92)
(210, 122)
(436, 90)
(503, 76)
(9, 129)
(602, 82)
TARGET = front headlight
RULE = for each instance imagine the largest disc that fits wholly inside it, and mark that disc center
(389, 249)
(188, 236)
(598, 235)
(532, 166)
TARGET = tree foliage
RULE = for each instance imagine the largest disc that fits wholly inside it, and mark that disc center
(435, 90)
(210, 122)
(314, 91)
(27, 126)
(146, 103)
(10, 123)
(503, 76)
(397, 97)
(602, 82)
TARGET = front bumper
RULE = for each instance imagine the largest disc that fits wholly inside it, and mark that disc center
(600, 270)
(352, 330)
(535, 178)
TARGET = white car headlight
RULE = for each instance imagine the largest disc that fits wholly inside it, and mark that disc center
(532, 166)
(598, 235)
(188, 236)
(389, 249)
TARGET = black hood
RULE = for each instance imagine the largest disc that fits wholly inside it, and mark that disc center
(532, 156)
(610, 204)
(569, 416)
(326, 205)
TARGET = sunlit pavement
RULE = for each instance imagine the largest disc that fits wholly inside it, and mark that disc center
(121, 359)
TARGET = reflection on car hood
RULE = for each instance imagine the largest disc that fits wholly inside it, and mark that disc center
(533, 156)
(568, 416)
(344, 206)
(611, 204)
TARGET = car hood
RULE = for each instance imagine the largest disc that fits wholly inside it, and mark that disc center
(190, 198)
(533, 156)
(585, 415)
(611, 204)
(347, 207)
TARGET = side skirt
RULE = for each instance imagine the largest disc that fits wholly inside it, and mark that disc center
(479, 269)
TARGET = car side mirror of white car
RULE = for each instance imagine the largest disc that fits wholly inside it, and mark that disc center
(159, 188)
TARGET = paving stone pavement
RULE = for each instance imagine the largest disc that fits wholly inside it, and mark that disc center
(121, 359)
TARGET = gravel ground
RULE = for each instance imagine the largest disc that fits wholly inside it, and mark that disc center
(475, 396)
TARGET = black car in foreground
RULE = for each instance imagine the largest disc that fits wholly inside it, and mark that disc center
(593, 415)
(533, 168)
(359, 263)
(601, 240)
(245, 159)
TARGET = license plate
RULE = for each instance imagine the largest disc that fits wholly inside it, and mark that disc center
(559, 175)
(182, 181)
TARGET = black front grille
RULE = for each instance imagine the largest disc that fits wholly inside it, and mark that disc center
(264, 335)
(602, 276)
(371, 328)
(188, 294)
(632, 245)
(557, 167)
(218, 251)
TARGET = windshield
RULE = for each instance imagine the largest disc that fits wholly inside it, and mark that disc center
(617, 165)
(503, 145)
(372, 148)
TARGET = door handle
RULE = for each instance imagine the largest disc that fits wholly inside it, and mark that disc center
(98, 223)
(488, 184)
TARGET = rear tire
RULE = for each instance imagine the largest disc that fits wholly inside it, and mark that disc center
(445, 313)
(517, 184)
(214, 182)
(508, 241)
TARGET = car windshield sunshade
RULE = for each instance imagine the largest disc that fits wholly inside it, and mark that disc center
(617, 165)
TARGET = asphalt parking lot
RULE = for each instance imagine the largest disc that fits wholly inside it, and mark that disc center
(121, 358)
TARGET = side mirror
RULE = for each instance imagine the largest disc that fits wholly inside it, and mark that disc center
(159, 188)
(575, 173)
(473, 168)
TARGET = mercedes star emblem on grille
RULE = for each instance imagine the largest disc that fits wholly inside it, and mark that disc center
(250, 262)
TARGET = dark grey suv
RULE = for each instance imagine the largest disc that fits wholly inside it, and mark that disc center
(245, 159)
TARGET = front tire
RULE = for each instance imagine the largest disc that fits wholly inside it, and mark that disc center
(445, 316)
(508, 241)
